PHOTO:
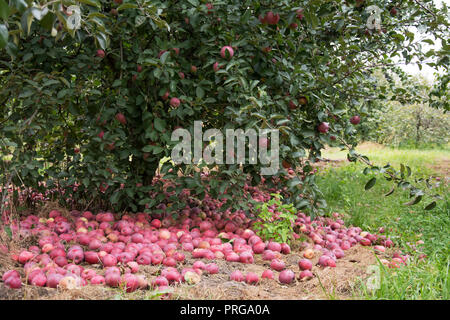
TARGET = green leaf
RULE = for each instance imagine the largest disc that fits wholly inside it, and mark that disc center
(431, 206)
(298, 154)
(160, 124)
(28, 56)
(312, 19)
(414, 201)
(410, 35)
(4, 10)
(8, 231)
(408, 171)
(144, 201)
(308, 133)
(193, 2)
(398, 37)
(161, 23)
(157, 149)
(246, 16)
(94, 3)
(127, 6)
(50, 83)
(370, 183)
(114, 198)
(12, 49)
(3, 36)
(96, 14)
(139, 20)
(101, 39)
(157, 73)
(30, 19)
(200, 92)
(404, 184)
(85, 182)
(48, 20)
(164, 56)
(293, 182)
(21, 5)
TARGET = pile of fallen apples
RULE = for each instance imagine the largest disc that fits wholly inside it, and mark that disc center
(108, 249)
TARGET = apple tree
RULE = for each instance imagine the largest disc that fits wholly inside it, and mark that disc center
(91, 90)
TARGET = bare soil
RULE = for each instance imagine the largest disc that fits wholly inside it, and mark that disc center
(442, 168)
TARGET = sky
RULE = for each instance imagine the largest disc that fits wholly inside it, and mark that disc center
(427, 72)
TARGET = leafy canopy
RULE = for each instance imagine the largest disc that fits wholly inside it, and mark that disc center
(60, 96)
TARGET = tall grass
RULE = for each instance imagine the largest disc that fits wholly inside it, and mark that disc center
(343, 188)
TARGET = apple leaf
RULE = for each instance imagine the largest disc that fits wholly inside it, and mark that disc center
(4, 10)
(430, 206)
(414, 201)
(370, 183)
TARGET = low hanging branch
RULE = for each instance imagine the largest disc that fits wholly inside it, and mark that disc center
(400, 178)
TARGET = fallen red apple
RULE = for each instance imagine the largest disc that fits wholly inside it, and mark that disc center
(237, 276)
(305, 264)
(277, 265)
(251, 278)
(98, 280)
(10, 273)
(308, 254)
(267, 274)
(306, 275)
(160, 281)
(13, 282)
(286, 276)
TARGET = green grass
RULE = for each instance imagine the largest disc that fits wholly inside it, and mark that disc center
(416, 159)
(343, 189)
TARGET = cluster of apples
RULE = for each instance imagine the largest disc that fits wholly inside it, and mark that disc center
(330, 239)
(109, 249)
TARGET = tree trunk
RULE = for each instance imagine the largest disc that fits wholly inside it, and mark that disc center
(418, 125)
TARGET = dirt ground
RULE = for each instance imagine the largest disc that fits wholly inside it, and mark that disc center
(442, 168)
